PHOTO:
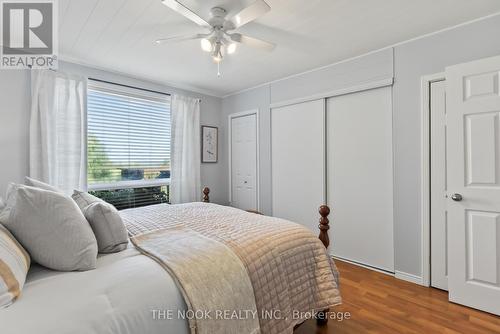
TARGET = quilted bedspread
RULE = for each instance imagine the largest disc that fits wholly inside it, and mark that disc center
(287, 266)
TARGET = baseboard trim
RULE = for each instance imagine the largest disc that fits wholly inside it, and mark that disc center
(362, 265)
(409, 277)
(397, 274)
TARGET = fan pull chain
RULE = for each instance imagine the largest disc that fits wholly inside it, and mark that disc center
(218, 70)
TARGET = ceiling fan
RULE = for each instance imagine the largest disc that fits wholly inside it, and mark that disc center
(221, 40)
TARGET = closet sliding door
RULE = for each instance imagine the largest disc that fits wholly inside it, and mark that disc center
(360, 177)
(298, 162)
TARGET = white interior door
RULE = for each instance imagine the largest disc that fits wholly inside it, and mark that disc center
(438, 198)
(244, 181)
(473, 144)
(360, 178)
(298, 162)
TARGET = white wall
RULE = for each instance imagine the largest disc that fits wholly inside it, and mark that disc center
(14, 123)
(427, 55)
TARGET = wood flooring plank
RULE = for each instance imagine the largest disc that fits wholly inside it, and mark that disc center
(379, 303)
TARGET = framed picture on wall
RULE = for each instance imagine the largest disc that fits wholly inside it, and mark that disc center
(209, 143)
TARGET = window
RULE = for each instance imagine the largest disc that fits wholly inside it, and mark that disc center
(128, 145)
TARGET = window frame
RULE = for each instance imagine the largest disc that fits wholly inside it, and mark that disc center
(137, 92)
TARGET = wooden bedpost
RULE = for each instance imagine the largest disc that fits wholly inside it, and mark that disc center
(324, 226)
(206, 198)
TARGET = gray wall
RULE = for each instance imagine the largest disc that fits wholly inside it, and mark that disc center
(15, 99)
(259, 99)
(14, 123)
(411, 61)
(355, 72)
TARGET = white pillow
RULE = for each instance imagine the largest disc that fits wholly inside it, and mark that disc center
(39, 184)
(108, 227)
(84, 199)
(51, 227)
(105, 220)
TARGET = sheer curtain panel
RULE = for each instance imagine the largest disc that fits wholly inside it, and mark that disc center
(185, 184)
(57, 129)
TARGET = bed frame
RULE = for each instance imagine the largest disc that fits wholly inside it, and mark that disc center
(324, 226)
(324, 223)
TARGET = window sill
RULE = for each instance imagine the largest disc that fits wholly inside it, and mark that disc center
(129, 184)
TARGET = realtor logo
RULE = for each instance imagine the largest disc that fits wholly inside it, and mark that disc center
(28, 34)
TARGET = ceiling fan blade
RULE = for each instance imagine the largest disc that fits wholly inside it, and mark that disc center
(252, 42)
(183, 10)
(181, 38)
(252, 12)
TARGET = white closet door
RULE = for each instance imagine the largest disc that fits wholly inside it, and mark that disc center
(298, 162)
(360, 183)
(244, 162)
(439, 213)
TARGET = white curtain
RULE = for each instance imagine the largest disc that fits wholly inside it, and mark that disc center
(57, 129)
(185, 184)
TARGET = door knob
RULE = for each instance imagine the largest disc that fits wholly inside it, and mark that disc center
(456, 197)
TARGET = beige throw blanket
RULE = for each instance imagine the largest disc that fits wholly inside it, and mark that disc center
(194, 260)
(287, 266)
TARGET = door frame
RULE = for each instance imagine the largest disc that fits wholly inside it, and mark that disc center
(230, 144)
(425, 185)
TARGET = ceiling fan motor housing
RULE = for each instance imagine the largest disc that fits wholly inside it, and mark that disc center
(218, 17)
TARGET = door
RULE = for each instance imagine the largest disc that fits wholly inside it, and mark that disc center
(298, 162)
(360, 178)
(473, 144)
(244, 178)
(438, 198)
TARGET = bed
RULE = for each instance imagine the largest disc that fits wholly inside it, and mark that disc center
(117, 297)
(138, 291)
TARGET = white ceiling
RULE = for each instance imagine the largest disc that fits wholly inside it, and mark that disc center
(118, 35)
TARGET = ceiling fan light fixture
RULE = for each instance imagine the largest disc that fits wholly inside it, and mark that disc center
(217, 58)
(217, 54)
(206, 45)
(231, 48)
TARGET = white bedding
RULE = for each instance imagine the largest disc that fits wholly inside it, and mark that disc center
(117, 297)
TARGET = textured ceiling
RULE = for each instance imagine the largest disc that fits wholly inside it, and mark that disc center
(118, 35)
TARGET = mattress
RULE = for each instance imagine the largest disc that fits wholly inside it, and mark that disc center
(123, 295)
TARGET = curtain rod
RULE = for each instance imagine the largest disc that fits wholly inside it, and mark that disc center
(122, 85)
(127, 86)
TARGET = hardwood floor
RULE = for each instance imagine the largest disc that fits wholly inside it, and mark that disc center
(379, 303)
